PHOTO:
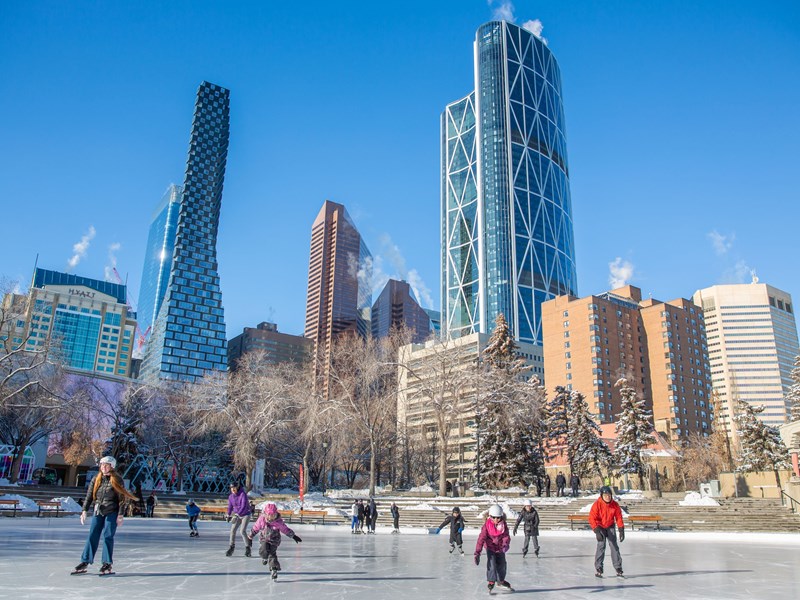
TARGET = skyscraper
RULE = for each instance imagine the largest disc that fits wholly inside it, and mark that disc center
(188, 337)
(396, 308)
(157, 262)
(507, 240)
(752, 343)
(339, 279)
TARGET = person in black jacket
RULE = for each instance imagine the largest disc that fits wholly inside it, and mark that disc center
(547, 485)
(530, 526)
(574, 483)
(395, 518)
(373, 515)
(457, 525)
(561, 483)
(107, 493)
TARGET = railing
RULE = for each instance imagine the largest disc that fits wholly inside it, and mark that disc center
(794, 504)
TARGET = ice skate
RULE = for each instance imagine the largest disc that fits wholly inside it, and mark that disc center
(599, 574)
(230, 550)
(106, 569)
(524, 553)
(274, 574)
(247, 552)
(80, 569)
(461, 550)
(536, 552)
(620, 574)
(505, 586)
(491, 587)
(452, 547)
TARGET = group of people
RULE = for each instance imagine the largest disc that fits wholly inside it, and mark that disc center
(106, 493)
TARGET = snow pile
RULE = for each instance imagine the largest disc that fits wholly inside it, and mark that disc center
(68, 504)
(695, 499)
(6, 482)
(632, 494)
(25, 503)
(426, 506)
(513, 490)
(422, 488)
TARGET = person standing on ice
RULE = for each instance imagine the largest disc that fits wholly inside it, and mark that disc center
(530, 526)
(604, 513)
(373, 515)
(238, 515)
(495, 538)
(367, 515)
(270, 526)
(194, 512)
(457, 525)
(354, 517)
(395, 518)
(107, 493)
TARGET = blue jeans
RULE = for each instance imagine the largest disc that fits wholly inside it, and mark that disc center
(107, 526)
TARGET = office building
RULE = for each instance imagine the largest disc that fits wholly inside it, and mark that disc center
(397, 308)
(507, 235)
(188, 337)
(277, 347)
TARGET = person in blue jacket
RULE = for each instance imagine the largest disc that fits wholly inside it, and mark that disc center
(194, 512)
(457, 525)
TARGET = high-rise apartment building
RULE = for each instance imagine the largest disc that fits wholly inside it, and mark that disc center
(188, 336)
(659, 347)
(157, 262)
(507, 239)
(277, 347)
(86, 322)
(396, 308)
(752, 344)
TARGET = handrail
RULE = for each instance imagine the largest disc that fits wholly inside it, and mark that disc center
(794, 503)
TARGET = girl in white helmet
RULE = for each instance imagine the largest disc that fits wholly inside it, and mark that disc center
(495, 538)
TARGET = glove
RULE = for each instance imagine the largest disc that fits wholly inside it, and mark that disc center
(621, 534)
(460, 529)
(515, 531)
(297, 539)
(477, 558)
(228, 518)
(250, 538)
(438, 530)
(599, 534)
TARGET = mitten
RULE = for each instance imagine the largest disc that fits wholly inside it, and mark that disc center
(477, 558)
(460, 529)
(297, 539)
(598, 533)
(621, 534)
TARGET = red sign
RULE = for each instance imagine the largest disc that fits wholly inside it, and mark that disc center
(302, 483)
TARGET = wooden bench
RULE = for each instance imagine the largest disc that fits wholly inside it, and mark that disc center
(633, 519)
(48, 507)
(313, 515)
(579, 518)
(222, 511)
(12, 505)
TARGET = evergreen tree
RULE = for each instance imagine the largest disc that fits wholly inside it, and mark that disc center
(793, 397)
(126, 432)
(634, 432)
(586, 450)
(761, 446)
(557, 417)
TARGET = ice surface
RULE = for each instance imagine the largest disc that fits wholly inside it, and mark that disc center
(156, 558)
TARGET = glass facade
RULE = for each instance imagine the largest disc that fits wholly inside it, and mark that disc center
(157, 261)
(188, 335)
(507, 238)
(396, 308)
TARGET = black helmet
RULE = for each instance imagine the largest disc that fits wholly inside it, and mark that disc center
(605, 490)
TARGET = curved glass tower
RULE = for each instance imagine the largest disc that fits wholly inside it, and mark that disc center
(507, 240)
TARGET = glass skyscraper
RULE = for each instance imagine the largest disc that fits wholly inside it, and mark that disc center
(506, 214)
(188, 336)
(157, 262)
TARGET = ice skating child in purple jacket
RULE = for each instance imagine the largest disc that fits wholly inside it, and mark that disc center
(270, 526)
(495, 538)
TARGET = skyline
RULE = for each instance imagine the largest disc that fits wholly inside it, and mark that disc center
(688, 107)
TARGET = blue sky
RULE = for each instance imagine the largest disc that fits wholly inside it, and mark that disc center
(683, 135)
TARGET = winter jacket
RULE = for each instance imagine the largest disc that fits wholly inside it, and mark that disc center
(456, 526)
(192, 510)
(561, 481)
(603, 514)
(354, 510)
(271, 530)
(373, 510)
(494, 537)
(529, 520)
(361, 511)
(107, 501)
(395, 512)
(574, 481)
(239, 504)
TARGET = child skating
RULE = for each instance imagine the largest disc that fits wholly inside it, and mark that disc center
(495, 538)
(194, 512)
(530, 527)
(270, 526)
(457, 525)
(604, 513)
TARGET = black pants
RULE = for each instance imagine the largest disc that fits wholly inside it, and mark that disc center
(495, 566)
(269, 552)
(396, 522)
(193, 522)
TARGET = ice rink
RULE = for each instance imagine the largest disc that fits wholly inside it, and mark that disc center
(156, 558)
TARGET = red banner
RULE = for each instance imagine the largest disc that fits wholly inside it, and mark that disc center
(302, 483)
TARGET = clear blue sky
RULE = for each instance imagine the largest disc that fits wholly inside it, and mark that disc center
(683, 128)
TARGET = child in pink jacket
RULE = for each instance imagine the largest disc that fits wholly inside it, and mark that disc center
(495, 537)
(271, 526)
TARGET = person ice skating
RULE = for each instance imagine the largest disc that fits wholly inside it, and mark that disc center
(547, 483)
(367, 515)
(354, 517)
(456, 522)
(238, 515)
(362, 513)
(529, 518)
(561, 483)
(605, 512)
(151, 505)
(270, 526)
(194, 512)
(373, 515)
(495, 538)
(574, 483)
(395, 518)
(107, 494)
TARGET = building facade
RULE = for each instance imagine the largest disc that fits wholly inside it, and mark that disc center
(188, 337)
(278, 347)
(157, 263)
(659, 347)
(396, 308)
(752, 344)
(506, 213)
(87, 322)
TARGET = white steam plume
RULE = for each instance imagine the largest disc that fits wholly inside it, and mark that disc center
(620, 273)
(112, 262)
(79, 250)
(391, 252)
(721, 242)
(535, 27)
(741, 272)
(503, 12)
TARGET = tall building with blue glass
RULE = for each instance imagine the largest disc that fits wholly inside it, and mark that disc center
(157, 262)
(506, 214)
(188, 336)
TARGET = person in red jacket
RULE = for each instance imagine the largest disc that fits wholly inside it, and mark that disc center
(604, 514)
(495, 537)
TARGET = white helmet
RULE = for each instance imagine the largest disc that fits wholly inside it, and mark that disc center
(495, 510)
(526, 502)
(110, 460)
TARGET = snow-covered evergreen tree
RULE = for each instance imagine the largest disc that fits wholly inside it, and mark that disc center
(557, 416)
(634, 432)
(793, 398)
(761, 447)
(125, 441)
(586, 450)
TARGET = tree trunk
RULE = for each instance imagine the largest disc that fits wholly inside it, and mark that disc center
(16, 463)
(442, 466)
(306, 454)
(372, 451)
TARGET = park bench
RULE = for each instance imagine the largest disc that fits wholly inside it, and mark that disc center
(49, 507)
(309, 515)
(12, 505)
(633, 519)
(222, 511)
(579, 518)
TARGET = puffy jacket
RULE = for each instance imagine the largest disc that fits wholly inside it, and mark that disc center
(530, 521)
(494, 537)
(603, 514)
(107, 500)
(192, 510)
(239, 504)
(271, 530)
(456, 526)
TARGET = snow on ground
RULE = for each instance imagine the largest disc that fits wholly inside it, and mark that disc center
(68, 504)
(695, 499)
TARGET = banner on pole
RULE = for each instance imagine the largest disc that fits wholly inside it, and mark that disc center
(302, 484)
